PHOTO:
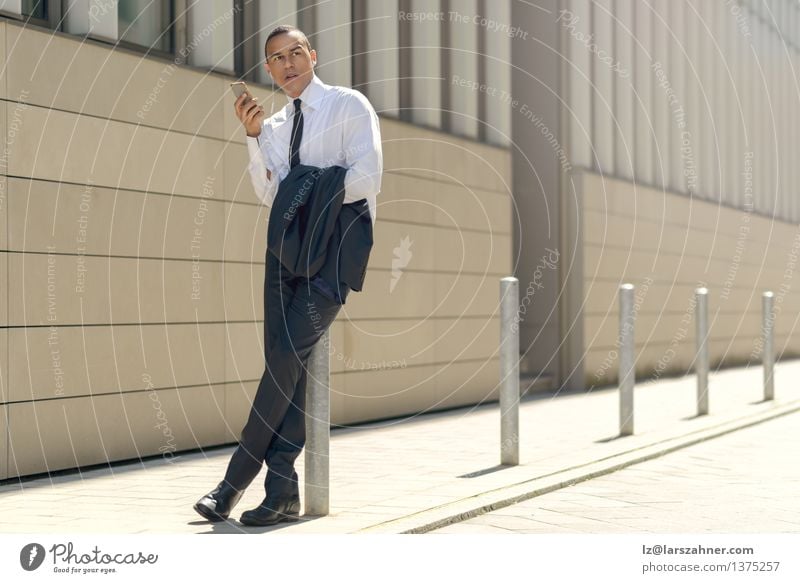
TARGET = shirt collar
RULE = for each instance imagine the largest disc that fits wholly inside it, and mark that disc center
(313, 94)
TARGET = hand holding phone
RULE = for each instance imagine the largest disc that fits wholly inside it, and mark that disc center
(249, 112)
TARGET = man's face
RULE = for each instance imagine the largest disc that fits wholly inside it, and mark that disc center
(290, 63)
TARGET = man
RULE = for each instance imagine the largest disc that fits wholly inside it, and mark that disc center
(321, 126)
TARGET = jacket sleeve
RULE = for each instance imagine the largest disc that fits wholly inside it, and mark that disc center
(258, 166)
(362, 150)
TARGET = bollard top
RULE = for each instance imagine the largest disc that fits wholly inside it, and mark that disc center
(626, 286)
(767, 294)
(701, 291)
(509, 278)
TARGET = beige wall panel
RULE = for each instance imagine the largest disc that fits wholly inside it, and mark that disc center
(405, 198)
(444, 158)
(377, 394)
(415, 156)
(473, 252)
(3, 72)
(374, 343)
(737, 254)
(82, 149)
(612, 262)
(619, 198)
(238, 399)
(65, 433)
(466, 338)
(602, 297)
(467, 208)
(133, 290)
(93, 220)
(3, 442)
(3, 366)
(413, 295)
(71, 361)
(4, 288)
(244, 291)
(68, 74)
(603, 229)
(405, 245)
(474, 165)
(237, 184)
(4, 198)
(245, 232)
(663, 328)
(470, 251)
(465, 383)
(462, 294)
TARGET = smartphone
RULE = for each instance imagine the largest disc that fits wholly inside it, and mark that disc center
(240, 87)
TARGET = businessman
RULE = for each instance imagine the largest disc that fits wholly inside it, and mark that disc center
(321, 126)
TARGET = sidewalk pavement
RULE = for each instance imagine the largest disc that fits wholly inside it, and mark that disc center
(745, 482)
(414, 474)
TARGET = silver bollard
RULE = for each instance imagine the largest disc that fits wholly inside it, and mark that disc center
(318, 429)
(627, 359)
(701, 365)
(509, 371)
(768, 353)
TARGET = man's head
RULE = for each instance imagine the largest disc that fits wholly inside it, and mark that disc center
(290, 59)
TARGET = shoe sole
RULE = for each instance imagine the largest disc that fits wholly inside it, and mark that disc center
(208, 514)
(283, 518)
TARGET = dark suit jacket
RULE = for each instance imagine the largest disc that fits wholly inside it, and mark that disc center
(313, 233)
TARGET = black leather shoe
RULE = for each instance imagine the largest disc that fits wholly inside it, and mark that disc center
(273, 511)
(216, 506)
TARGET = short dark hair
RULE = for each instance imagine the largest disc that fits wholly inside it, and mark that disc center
(283, 29)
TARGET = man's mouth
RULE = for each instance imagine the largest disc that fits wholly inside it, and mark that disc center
(291, 76)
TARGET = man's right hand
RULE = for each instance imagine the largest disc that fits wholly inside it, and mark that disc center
(250, 113)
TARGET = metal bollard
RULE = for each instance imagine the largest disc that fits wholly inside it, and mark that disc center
(768, 353)
(701, 339)
(627, 369)
(318, 429)
(509, 371)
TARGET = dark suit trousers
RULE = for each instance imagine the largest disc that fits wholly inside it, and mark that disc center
(296, 314)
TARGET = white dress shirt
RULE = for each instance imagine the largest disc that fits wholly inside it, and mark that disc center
(340, 128)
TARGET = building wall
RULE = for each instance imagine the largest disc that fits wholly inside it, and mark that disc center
(680, 121)
(667, 245)
(132, 263)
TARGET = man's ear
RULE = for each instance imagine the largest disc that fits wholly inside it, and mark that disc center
(313, 54)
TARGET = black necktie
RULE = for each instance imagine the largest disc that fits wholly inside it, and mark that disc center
(297, 135)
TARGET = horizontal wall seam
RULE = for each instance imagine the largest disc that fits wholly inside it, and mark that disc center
(249, 380)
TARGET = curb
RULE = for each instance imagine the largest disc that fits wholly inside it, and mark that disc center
(466, 508)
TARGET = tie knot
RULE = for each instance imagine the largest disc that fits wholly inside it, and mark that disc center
(297, 104)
